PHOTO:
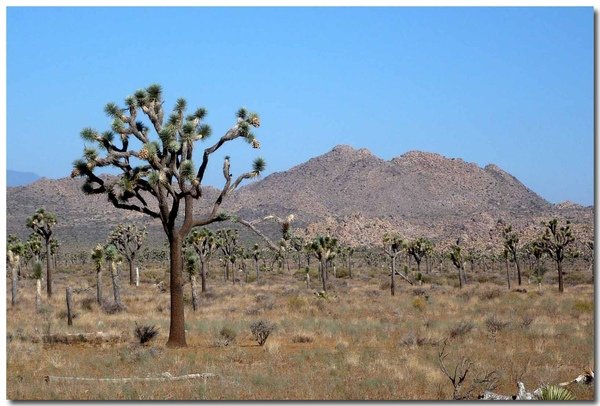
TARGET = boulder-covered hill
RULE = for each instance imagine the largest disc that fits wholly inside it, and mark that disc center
(352, 192)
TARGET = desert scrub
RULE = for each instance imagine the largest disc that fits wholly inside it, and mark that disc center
(225, 337)
(145, 334)
(261, 330)
(461, 329)
(295, 303)
(419, 303)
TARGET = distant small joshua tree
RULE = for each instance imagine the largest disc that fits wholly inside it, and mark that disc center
(42, 223)
(555, 241)
(205, 243)
(14, 252)
(98, 258)
(419, 249)
(457, 259)
(128, 240)
(511, 245)
(112, 256)
(393, 245)
(324, 248)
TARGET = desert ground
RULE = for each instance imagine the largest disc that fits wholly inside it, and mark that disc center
(356, 342)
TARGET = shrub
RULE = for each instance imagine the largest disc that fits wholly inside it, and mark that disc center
(226, 337)
(112, 308)
(495, 325)
(526, 321)
(490, 293)
(461, 329)
(145, 334)
(261, 330)
(295, 303)
(419, 303)
(88, 303)
(302, 338)
(583, 306)
(265, 302)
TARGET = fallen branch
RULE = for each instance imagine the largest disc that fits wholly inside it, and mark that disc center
(164, 377)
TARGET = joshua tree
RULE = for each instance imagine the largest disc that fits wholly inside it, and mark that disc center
(511, 245)
(14, 252)
(418, 249)
(54, 246)
(323, 248)
(256, 253)
(33, 248)
(37, 274)
(41, 223)
(98, 258)
(204, 243)
(534, 250)
(128, 240)
(191, 260)
(457, 259)
(112, 256)
(227, 242)
(555, 241)
(163, 171)
(393, 245)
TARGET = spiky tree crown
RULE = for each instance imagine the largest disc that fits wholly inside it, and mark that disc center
(128, 239)
(98, 255)
(393, 243)
(556, 238)
(162, 167)
(41, 223)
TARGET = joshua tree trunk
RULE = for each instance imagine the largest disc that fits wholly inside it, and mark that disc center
(99, 285)
(349, 267)
(48, 270)
(69, 306)
(393, 284)
(460, 277)
(561, 287)
(256, 266)
(137, 276)
(307, 281)
(194, 292)
(507, 275)
(518, 271)
(203, 266)
(177, 326)
(131, 272)
(38, 295)
(323, 276)
(114, 274)
(14, 276)
(233, 272)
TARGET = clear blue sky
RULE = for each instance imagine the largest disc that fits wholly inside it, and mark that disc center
(510, 86)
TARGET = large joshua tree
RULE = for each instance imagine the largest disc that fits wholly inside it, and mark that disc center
(41, 223)
(511, 246)
(324, 248)
(158, 177)
(128, 239)
(555, 241)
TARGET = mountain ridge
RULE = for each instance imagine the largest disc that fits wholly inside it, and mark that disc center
(419, 193)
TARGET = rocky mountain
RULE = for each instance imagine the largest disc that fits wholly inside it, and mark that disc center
(350, 192)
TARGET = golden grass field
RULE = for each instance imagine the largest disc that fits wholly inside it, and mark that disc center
(359, 343)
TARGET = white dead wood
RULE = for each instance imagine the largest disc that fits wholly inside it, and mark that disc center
(586, 378)
(91, 338)
(166, 376)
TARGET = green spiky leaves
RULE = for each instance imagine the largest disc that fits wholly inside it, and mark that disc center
(90, 154)
(552, 392)
(259, 165)
(186, 170)
(89, 134)
(153, 178)
(180, 105)
(205, 131)
(154, 92)
(112, 110)
(118, 126)
(200, 113)
(87, 188)
(242, 113)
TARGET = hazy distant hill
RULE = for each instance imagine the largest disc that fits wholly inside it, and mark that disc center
(17, 178)
(351, 192)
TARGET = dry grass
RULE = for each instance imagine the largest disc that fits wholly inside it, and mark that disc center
(359, 343)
